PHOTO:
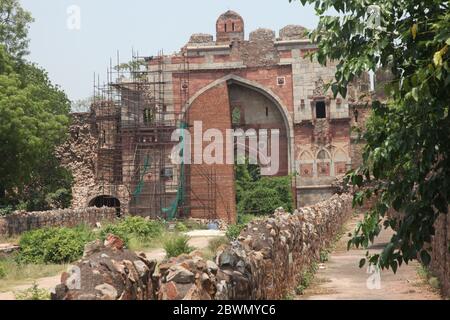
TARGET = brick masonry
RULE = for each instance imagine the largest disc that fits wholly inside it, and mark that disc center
(223, 73)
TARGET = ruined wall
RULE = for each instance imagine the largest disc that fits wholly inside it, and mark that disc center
(20, 222)
(266, 262)
(440, 263)
(80, 155)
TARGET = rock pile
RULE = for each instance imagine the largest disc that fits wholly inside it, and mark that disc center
(266, 261)
(108, 272)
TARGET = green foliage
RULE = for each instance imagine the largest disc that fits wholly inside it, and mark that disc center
(176, 245)
(14, 24)
(246, 218)
(33, 120)
(181, 227)
(261, 195)
(324, 254)
(406, 157)
(33, 293)
(266, 195)
(6, 210)
(53, 245)
(306, 279)
(138, 227)
(234, 230)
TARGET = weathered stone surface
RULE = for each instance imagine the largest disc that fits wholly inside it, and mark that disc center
(110, 272)
(262, 264)
(201, 39)
(266, 261)
(20, 222)
(293, 32)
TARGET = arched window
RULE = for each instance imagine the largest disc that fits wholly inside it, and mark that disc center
(232, 27)
(226, 27)
(323, 155)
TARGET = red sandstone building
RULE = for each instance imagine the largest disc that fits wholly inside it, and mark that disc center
(122, 148)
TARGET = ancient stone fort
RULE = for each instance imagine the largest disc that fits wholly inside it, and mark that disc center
(120, 151)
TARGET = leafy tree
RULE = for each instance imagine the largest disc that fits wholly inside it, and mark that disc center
(14, 24)
(33, 120)
(406, 159)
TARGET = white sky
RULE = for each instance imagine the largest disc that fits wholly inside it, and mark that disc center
(72, 56)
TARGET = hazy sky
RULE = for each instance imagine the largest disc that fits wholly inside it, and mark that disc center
(72, 56)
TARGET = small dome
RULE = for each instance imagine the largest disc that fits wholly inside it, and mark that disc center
(229, 27)
(230, 15)
(262, 34)
(293, 32)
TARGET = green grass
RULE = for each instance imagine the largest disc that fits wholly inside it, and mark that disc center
(17, 274)
(177, 245)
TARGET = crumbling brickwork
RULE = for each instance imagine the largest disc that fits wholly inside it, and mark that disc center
(20, 222)
(266, 262)
(267, 77)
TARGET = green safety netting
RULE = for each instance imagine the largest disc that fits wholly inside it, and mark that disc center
(140, 185)
(170, 211)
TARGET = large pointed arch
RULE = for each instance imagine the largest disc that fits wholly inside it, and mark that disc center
(234, 79)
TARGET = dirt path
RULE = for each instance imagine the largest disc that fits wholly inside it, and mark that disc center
(340, 278)
(199, 240)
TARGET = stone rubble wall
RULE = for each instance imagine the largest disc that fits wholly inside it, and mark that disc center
(20, 222)
(440, 257)
(265, 262)
(108, 272)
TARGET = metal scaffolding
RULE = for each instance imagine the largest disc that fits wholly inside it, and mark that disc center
(135, 115)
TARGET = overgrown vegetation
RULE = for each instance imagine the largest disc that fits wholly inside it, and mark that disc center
(53, 245)
(406, 159)
(176, 245)
(33, 293)
(258, 196)
(306, 279)
(261, 195)
(134, 229)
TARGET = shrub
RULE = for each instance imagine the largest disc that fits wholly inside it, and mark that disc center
(177, 245)
(6, 210)
(181, 227)
(234, 230)
(246, 218)
(137, 227)
(261, 195)
(53, 245)
(117, 230)
(33, 293)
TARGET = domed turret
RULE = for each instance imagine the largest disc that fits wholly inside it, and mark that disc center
(229, 27)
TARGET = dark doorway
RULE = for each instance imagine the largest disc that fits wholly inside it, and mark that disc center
(106, 201)
(321, 111)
